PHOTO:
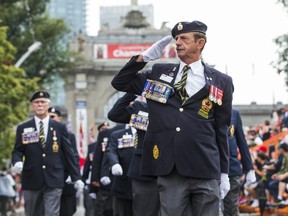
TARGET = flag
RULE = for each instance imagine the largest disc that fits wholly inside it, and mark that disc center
(81, 143)
(91, 133)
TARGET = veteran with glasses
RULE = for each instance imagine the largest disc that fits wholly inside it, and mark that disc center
(40, 149)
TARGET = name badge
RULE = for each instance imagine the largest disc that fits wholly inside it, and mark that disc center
(166, 78)
(139, 121)
(156, 91)
(31, 137)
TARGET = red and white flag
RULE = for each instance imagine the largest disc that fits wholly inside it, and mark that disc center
(91, 133)
(81, 144)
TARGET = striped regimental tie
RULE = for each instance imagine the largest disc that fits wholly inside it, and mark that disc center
(180, 87)
(135, 140)
(42, 136)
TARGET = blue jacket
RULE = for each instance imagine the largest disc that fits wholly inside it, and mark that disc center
(180, 136)
(45, 166)
(121, 112)
(237, 141)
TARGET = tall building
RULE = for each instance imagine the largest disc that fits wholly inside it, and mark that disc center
(74, 12)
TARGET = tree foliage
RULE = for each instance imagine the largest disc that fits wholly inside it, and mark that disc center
(14, 91)
(28, 22)
(281, 64)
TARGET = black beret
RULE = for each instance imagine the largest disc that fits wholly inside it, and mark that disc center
(40, 94)
(102, 125)
(183, 27)
(55, 111)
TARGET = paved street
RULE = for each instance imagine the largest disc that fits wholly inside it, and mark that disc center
(80, 210)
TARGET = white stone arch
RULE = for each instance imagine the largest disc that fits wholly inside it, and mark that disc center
(110, 103)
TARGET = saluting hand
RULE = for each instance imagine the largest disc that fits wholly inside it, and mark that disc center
(156, 50)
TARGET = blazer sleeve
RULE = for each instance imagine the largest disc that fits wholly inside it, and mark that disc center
(223, 115)
(129, 79)
(69, 154)
(18, 151)
(112, 152)
(120, 112)
(242, 145)
(97, 159)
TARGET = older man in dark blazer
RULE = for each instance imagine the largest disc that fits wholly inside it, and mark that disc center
(190, 107)
(133, 110)
(68, 199)
(119, 152)
(43, 145)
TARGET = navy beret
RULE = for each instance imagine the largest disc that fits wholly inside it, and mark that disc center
(55, 111)
(183, 27)
(102, 125)
(40, 94)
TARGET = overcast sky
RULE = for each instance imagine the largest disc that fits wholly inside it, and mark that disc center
(240, 39)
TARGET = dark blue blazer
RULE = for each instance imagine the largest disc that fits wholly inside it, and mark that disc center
(237, 141)
(42, 166)
(97, 162)
(121, 112)
(87, 168)
(69, 188)
(122, 185)
(178, 136)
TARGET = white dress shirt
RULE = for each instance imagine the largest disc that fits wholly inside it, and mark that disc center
(45, 124)
(195, 78)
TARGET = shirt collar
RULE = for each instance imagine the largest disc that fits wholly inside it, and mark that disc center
(45, 120)
(197, 67)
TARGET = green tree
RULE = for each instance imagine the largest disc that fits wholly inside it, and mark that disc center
(28, 22)
(281, 64)
(14, 91)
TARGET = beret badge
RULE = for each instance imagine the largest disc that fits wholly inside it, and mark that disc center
(180, 26)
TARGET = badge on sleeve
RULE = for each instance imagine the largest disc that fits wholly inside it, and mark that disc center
(232, 130)
(156, 91)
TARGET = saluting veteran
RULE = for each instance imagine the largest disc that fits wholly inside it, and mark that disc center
(190, 107)
(42, 144)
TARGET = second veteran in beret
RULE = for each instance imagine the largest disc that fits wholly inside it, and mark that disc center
(42, 153)
(40, 94)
